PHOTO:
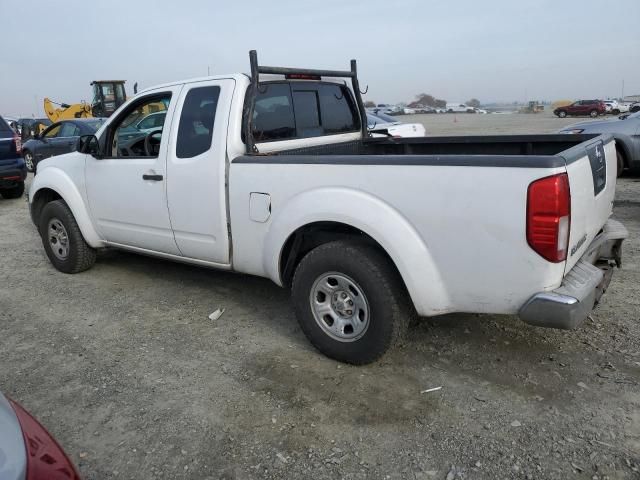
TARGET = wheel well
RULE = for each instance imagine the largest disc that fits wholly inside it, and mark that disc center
(41, 198)
(310, 236)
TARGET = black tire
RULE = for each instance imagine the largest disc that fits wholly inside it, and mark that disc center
(593, 113)
(620, 159)
(615, 111)
(80, 256)
(13, 192)
(29, 160)
(562, 114)
(389, 307)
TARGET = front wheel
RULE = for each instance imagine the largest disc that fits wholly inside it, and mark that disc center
(28, 160)
(562, 114)
(62, 239)
(350, 301)
(615, 111)
(13, 192)
(593, 113)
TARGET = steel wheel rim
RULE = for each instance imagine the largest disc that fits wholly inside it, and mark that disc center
(58, 239)
(28, 159)
(340, 307)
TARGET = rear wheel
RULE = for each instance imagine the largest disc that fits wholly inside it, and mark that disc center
(13, 192)
(562, 114)
(28, 160)
(620, 159)
(615, 111)
(593, 113)
(62, 239)
(350, 301)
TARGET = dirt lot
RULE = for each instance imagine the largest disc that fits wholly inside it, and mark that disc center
(125, 368)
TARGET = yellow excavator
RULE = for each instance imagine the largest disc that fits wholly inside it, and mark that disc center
(108, 95)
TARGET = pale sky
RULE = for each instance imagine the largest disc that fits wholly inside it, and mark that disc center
(494, 50)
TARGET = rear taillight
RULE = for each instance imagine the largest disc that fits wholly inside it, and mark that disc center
(549, 217)
(17, 142)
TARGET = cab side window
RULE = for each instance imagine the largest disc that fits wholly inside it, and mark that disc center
(196, 121)
(126, 137)
(273, 113)
(290, 110)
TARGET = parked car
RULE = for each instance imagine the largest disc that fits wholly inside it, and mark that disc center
(626, 131)
(280, 178)
(612, 107)
(27, 449)
(386, 125)
(634, 107)
(13, 123)
(59, 138)
(459, 108)
(592, 108)
(30, 127)
(151, 122)
(12, 168)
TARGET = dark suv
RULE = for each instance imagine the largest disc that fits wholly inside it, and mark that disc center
(12, 168)
(593, 108)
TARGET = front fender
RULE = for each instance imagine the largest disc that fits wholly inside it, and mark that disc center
(57, 180)
(372, 215)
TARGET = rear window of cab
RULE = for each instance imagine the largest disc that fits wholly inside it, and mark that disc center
(294, 110)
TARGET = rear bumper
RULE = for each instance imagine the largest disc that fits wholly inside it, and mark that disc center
(569, 305)
(12, 171)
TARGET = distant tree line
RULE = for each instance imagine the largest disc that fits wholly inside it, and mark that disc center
(426, 100)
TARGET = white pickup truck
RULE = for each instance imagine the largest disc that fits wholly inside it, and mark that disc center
(274, 174)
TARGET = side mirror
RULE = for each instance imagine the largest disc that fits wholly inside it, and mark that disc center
(89, 145)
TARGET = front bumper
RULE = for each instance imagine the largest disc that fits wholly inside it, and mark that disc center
(569, 305)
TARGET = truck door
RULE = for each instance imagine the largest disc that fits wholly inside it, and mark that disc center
(196, 170)
(127, 188)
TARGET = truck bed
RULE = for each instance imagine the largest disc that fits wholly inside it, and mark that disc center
(492, 150)
(465, 198)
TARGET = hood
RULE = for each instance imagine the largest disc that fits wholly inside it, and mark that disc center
(592, 124)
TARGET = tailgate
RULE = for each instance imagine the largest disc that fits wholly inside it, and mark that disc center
(592, 171)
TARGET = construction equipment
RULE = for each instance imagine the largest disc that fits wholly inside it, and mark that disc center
(108, 95)
(533, 107)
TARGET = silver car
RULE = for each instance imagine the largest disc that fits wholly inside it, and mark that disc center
(625, 129)
(27, 450)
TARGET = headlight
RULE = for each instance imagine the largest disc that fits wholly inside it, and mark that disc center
(573, 131)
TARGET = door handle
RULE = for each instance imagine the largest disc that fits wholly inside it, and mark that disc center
(155, 178)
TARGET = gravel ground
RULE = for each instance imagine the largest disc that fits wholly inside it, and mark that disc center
(124, 367)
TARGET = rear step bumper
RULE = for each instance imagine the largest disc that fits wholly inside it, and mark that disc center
(569, 305)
